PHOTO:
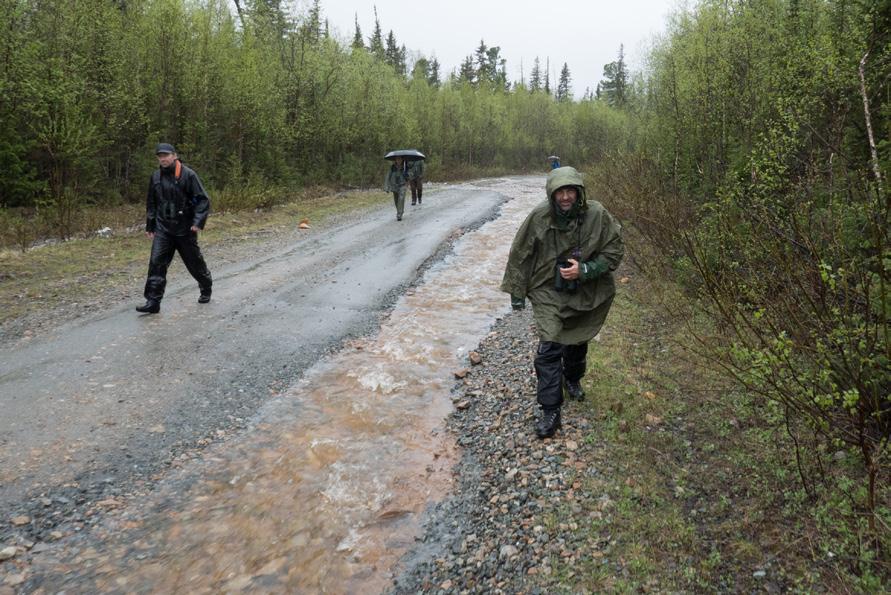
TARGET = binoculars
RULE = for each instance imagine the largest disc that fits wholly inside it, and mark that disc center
(561, 284)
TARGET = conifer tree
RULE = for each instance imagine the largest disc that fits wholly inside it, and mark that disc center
(535, 76)
(357, 36)
(312, 26)
(547, 81)
(467, 73)
(376, 41)
(391, 52)
(563, 91)
(482, 62)
(615, 81)
(433, 74)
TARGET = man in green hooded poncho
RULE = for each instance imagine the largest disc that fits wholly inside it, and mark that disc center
(562, 259)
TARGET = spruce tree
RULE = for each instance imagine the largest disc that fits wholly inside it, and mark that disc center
(467, 73)
(376, 41)
(391, 52)
(563, 91)
(433, 74)
(535, 76)
(547, 81)
(357, 36)
(615, 81)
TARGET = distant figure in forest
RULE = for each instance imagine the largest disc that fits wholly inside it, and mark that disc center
(554, 161)
(562, 259)
(395, 182)
(416, 179)
(176, 209)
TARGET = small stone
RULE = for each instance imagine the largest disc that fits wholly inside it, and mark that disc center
(14, 580)
(462, 405)
(56, 535)
(475, 358)
(239, 583)
(572, 445)
(8, 552)
(46, 501)
(446, 585)
(18, 521)
(759, 574)
(462, 373)
(507, 551)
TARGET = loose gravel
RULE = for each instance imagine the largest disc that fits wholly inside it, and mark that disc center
(497, 533)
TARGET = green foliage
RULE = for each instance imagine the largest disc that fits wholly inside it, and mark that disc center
(754, 171)
(614, 86)
(89, 87)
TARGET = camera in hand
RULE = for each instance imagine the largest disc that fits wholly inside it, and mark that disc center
(561, 284)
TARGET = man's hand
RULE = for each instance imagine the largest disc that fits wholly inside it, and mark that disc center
(150, 235)
(570, 272)
(195, 228)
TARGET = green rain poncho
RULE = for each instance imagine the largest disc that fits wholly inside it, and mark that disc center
(548, 235)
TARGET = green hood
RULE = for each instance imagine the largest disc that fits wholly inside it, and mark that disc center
(558, 178)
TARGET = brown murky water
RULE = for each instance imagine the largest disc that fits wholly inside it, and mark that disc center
(325, 491)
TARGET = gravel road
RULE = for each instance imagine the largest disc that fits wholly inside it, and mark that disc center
(98, 407)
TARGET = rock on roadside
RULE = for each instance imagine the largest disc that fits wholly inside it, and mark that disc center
(493, 534)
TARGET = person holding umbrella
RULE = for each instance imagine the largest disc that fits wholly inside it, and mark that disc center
(398, 176)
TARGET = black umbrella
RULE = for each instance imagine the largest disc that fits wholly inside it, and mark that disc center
(409, 154)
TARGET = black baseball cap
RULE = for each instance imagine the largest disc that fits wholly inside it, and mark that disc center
(164, 148)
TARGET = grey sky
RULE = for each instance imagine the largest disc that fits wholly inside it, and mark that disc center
(584, 34)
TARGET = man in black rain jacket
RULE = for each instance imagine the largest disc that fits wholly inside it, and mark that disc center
(176, 208)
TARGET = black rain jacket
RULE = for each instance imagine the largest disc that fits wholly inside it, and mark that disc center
(174, 204)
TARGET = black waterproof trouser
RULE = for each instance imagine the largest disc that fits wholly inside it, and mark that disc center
(163, 247)
(417, 189)
(553, 362)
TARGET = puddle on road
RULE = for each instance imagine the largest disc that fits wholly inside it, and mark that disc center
(325, 491)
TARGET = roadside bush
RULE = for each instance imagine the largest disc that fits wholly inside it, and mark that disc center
(254, 192)
(759, 184)
(17, 228)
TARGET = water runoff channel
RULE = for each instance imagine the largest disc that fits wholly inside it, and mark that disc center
(326, 489)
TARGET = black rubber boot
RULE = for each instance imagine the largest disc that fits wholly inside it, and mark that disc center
(574, 390)
(548, 424)
(204, 297)
(150, 307)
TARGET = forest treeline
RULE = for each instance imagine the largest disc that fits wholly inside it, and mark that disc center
(255, 97)
(761, 146)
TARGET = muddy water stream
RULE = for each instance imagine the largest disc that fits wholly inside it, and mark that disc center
(325, 490)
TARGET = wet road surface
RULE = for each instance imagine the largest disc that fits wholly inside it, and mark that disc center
(324, 488)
